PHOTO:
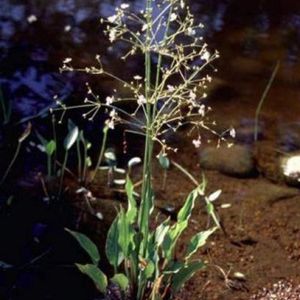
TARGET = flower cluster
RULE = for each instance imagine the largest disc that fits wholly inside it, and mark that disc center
(169, 36)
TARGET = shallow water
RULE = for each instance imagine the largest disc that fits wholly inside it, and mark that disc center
(35, 37)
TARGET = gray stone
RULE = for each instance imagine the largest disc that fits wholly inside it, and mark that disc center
(235, 161)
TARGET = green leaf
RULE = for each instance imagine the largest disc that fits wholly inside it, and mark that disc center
(50, 147)
(71, 138)
(198, 241)
(121, 280)
(171, 238)
(112, 247)
(145, 211)
(87, 245)
(174, 267)
(210, 208)
(98, 277)
(132, 209)
(149, 270)
(161, 232)
(184, 274)
(126, 234)
(186, 211)
(164, 161)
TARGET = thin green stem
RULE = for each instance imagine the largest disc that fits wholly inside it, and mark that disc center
(264, 95)
(104, 139)
(11, 162)
(84, 162)
(63, 168)
(55, 141)
(79, 167)
(146, 198)
(49, 165)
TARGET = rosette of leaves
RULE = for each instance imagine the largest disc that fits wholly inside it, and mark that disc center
(152, 274)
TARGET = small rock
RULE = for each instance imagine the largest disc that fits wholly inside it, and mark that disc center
(290, 168)
(234, 161)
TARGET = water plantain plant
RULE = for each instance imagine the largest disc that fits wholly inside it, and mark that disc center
(169, 95)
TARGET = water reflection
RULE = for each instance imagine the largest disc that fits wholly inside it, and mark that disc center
(35, 36)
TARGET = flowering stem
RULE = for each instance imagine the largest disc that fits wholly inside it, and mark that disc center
(146, 200)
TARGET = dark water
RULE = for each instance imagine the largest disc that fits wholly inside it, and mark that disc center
(35, 37)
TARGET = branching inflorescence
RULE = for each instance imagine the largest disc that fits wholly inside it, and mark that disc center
(171, 92)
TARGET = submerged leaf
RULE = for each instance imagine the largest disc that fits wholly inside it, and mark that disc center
(98, 277)
(87, 245)
(134, 161)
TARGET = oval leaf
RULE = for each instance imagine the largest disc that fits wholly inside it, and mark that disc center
(98, 277)
(121, 280)
(50, 147)
(164, 161)
(87, 245)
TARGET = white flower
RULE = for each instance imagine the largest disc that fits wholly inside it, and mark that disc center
(192, 95)
(232, 133)
(137, 77)
(31, 19)
(173, 17)
(141, 100)
(197, 142)
(112, 35)
(110, 123)
(112, 19)
(205, 56)
(191, 31)
(113, 113)
(124, 6)
(145, 26)
(67, 60)
(201, 110)
(109, 100)
(170, 88)
(182, 4)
